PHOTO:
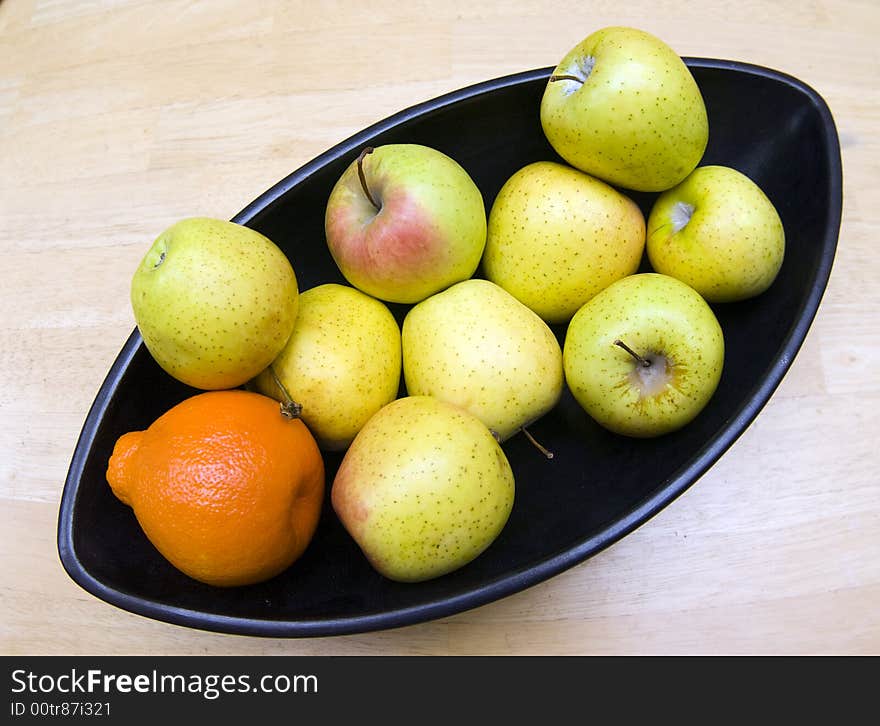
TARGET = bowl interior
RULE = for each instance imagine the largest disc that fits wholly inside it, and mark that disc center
(596, 488)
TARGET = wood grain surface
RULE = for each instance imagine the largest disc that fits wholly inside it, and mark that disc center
(118, 117)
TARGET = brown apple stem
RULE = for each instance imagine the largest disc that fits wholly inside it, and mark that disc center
(564, 77)
(644, 362)
(289, 407)
(363, 178)
(537, 444)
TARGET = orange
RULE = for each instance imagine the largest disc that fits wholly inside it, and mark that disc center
(224, 486)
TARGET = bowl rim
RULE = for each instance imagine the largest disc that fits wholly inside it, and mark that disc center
(513, 581)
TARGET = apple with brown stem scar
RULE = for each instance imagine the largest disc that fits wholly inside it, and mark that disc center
(644, 356)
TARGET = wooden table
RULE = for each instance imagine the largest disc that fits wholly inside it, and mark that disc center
(119, 117)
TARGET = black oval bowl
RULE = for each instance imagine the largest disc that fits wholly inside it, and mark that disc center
(598, 488)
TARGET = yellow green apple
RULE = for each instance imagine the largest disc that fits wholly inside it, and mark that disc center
(214, 301)
(341, 364)
(623, 106)
(476, 346)
(557, 236)
(718, 232)
(644, 356)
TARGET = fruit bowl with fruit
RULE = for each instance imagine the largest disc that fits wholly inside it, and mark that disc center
(596, 474)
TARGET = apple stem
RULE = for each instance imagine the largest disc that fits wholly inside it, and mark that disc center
(289, 407)
(363, 178)
(537, 444)
(644, 362)
(564, 77)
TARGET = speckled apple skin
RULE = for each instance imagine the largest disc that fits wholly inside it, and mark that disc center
(423, 489)
(214, 301)
(733, 246)
(476, 346)
(557, 236)
(342, 362)
(638, 121)
(429, 232)
(651, 313)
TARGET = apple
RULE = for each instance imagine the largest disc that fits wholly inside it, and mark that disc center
(623, 106)
(476, 346)
(214, 301)
(341, 364)
(405, 221)
(557, 236)
(644, 356)
(423, 489)
(718, 232)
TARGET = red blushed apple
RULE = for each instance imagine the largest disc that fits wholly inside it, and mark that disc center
(405, 221)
